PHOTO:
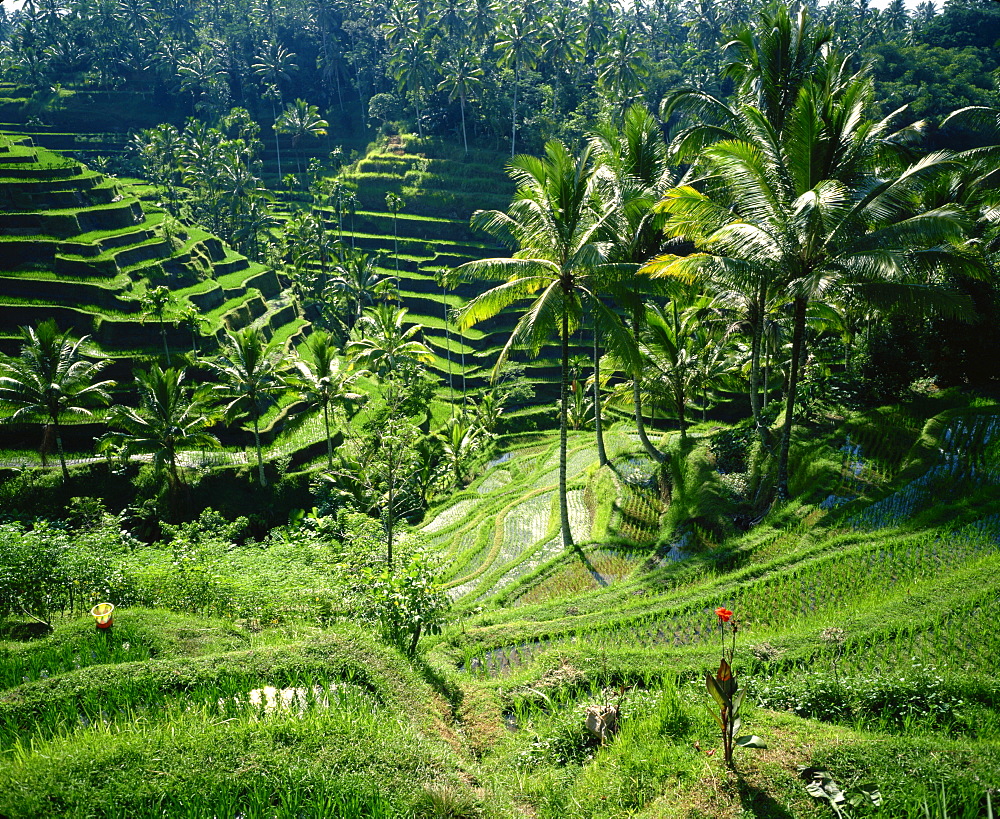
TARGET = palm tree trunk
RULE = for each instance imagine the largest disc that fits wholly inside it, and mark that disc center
(567, 534)
(640, 425)
(758, 334)
(277, 147)
(798, 339)
(329, 443)
(602, 455)
(395, 243)
(447, 348)
(465, 138)
(388, 511)
(59, 449)
(513, 119)
(260, 454)
(163, 335)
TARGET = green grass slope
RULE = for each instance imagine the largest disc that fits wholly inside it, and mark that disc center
(867, 647)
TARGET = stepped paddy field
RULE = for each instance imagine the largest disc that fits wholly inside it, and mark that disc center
(866, 645)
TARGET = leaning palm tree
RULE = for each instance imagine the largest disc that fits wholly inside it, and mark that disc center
(170, 418)
(636, 160)
(554, 220)
(324, 381)
(250, 372)
(53, 380)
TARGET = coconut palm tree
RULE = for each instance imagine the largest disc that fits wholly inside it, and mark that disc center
(412, 68)
(637, 161)
(555, 220)
(302, 120)
(170, 418)
(357, 280)
(395, 204)
(274, 66)
(463, 77)
(324, 380)
(817, 210)
(518, 49)
(52, 379)
(155, 303)
(250, 372)
(388, 347)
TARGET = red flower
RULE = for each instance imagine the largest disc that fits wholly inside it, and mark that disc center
(723, 614)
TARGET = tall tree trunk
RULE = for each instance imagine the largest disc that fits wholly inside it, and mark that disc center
(567, 534)
(329, 442)
(277, 147)
(163, 335)
(395, 243)
(757, 319)
(465, 139)
(447, 348)
(389, 518)
(602, 455)
(59, 449)
(798, 340)
(640, 425)
(513, 119)
(260, 454)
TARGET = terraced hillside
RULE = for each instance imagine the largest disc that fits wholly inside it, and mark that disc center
(842, 558)
(867, 604)
(441, 188)
(78, 248)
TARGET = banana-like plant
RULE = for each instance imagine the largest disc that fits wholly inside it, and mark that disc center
(726, 693)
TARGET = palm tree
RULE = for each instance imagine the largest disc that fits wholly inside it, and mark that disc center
(816, 211)
(555, 220)
(250, 371)
(388, 348)
(52, 379)
(324, 380)
(302, 120)
(274, 66)
(155, 302)
(774, 61)
(411, 69)
(516, 43)
(358, 281)
(395, 204)
(170, 418)
(621, 69)
(638, 162)
(463, 76)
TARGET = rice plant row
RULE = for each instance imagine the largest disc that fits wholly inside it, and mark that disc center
(826, 586)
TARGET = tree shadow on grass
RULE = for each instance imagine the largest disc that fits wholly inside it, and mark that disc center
(24, 632)
(760, 803)
(598, 577)
(441, 684)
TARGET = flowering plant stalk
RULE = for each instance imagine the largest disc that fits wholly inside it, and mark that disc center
(726, 693)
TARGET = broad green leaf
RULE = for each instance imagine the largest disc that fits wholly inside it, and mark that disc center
(716, 691)
(715, 714)
(750, 741)
(738, 700)
(872, 792)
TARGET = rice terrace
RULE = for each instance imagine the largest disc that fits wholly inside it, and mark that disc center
(499, 409)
